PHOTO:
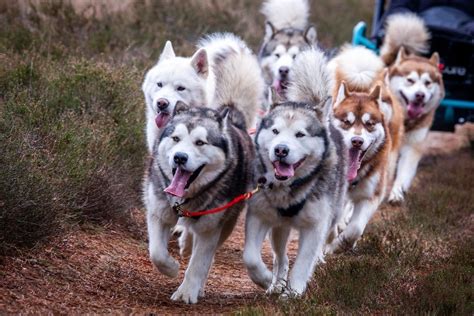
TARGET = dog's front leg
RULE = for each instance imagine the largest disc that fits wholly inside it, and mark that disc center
(204, 249)
(363, 211)
(409, 158)
(255, 232)
(310, 251)
(279, 239)
(159, 231)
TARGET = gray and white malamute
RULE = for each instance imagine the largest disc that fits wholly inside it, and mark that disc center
(287, 33)
(302, 161)
(201, 160)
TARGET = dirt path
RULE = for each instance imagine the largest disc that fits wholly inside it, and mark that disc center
(109, 271)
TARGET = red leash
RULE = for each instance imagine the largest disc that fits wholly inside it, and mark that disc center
(242, 197)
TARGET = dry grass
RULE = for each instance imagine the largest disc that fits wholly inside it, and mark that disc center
(72, 156)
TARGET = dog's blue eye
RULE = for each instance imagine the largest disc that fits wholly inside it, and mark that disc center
(299, 135)
(275, 131)
(181, 88)
(294, 56)
(176, 139)
(200, 143)
(159, 84)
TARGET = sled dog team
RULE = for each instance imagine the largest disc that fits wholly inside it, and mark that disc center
(337, 138)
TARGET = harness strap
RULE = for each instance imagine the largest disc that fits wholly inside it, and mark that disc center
(243, 197)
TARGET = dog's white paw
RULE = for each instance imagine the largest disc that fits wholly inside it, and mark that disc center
(340, 244)
(396, 196)
(166, 265)
(276, 287)
(289, 293)
(185, 293)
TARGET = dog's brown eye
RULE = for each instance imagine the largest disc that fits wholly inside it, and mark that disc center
(277, 55)
(427, 83)
(275, 131)
(200, 143)
(294, 56)
(299, 135)
(410, 81)
(347, 122)
(176, 139)
(370, 124)
(181, 88)
(160, 84)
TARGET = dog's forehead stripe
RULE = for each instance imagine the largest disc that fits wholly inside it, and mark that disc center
(199, 133)
(413, 75)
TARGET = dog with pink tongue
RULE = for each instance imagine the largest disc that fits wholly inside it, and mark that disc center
(202, 159)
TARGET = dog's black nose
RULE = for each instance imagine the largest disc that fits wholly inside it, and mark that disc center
(180, 158)
(283, 70)
(162, 104)
(419, 96)
(357, 141)
(281, 151)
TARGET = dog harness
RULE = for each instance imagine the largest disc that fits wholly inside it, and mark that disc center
(185, 213)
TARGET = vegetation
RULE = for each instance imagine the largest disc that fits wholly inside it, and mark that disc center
(72, 154)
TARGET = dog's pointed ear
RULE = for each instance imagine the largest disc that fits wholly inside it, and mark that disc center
(200, 62)
(229, 115)
(269, 31)
(310, 35)
(180, 108)
(401, 55)
(224, 112)
(342, 94)
(377, 95)
(434, 59)
(167, 52)
(323, 110)
(386, 76)
(275, 98)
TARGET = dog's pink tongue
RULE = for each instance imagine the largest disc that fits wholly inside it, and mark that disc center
(414, 110)
(284, 170)
(277, 85)
(354, 163)
(161, 119)
(178, 184)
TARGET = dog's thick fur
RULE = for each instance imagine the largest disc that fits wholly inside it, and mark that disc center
(418, 85)
(189, 80)
(371, 122)
(287, 33)
(202, 159)
(304, 188)
(404, 30)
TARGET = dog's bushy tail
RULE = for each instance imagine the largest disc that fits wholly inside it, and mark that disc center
(404, 30)
(239, 83)
(286, 13)
(357, 66)
(309, 80)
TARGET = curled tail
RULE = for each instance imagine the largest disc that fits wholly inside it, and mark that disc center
(404, 30)
(357, 66)
(286, 13)
(309, 81)
(239, 82)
